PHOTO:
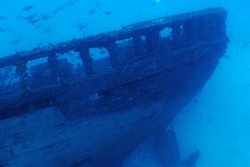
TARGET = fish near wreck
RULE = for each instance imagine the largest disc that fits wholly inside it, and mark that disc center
(58, 114)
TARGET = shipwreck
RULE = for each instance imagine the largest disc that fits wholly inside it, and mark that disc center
(64, 106)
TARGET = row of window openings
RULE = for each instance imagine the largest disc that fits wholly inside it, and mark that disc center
(72, 57)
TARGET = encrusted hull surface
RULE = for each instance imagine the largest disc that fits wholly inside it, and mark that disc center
(106, 114)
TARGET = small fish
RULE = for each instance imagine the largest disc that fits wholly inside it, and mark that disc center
(27, 8)
(14, 42)
(92, 11)
(58, 9)
(82, 26)
(98, 5)
(46, 17)
(33, 21)
(31, 17)
(108, 13)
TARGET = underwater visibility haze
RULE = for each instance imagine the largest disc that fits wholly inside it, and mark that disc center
(138, 83)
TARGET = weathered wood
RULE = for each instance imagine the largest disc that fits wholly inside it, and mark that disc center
(187, 29)
(53, 65)
(21, 69)
(113, 54)
(101, 39)
(92, 120)
(108, 80)
(86, 60)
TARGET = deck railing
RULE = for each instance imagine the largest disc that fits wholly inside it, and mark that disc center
(185, 30)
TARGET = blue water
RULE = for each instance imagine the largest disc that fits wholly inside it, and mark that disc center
(216, 122)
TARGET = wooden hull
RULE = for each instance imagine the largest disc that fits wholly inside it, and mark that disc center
(91, 143)
(48, 138)
(77, 131)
